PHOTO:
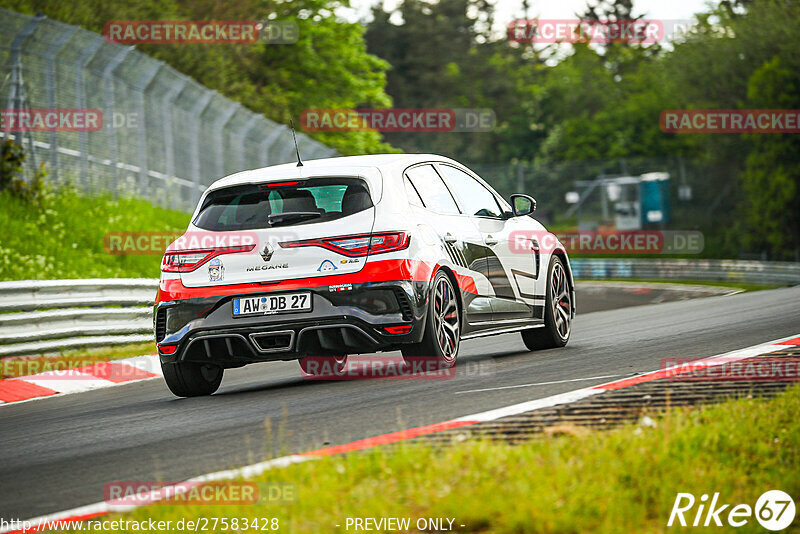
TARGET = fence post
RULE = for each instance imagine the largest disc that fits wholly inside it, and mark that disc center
(242, 164)
(219, 126)
(16, 91)
(268, 142)
(166, 114)
(50, 55)
(108, 123)
(196, 112)
(142, 84)
(80, 97)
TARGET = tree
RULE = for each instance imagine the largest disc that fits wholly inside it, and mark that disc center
(328, 67)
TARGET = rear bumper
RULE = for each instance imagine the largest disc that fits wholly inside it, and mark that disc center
(341, 322)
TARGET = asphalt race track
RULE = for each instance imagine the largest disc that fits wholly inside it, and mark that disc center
(58, 453)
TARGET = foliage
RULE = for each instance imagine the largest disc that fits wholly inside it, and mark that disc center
(63, 236)
(328, 67)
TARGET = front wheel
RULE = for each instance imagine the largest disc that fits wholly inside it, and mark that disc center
(186, 379)
(442, 335)
(557, 311)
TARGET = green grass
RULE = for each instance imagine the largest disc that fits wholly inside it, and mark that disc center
(623, 480)
(64, 237)
(70, 359)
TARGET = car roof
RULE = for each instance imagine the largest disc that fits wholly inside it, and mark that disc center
(344, 165)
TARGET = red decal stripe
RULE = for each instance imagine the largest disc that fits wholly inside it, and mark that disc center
(17, 390)
(373, 271)
(385, 439)
(794, 341)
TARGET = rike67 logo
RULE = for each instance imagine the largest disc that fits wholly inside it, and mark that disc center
(774, 510)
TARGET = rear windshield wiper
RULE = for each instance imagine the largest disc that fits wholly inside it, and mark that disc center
(276, 219)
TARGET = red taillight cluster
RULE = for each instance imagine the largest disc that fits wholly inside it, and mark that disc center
(167, 349)
(184, 261)
(399, 329)
(357, 245)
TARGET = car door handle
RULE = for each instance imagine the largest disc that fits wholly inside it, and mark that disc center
(490, 240)
(450, 238)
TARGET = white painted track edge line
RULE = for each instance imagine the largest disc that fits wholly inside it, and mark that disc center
(490, 415)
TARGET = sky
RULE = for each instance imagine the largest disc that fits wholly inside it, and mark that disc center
(507, 10)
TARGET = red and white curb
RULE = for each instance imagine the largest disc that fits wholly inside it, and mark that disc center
(95, 376)
(101, 508)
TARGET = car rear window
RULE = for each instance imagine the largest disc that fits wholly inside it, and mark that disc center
(290, 203)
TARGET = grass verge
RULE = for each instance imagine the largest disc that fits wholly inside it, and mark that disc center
(729, 285)
(623, 480)
(71, 359)
(62, 236)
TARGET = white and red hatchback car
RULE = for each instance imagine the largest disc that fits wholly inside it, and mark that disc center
(354, 255)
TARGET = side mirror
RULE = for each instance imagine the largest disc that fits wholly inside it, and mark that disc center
(522, 205)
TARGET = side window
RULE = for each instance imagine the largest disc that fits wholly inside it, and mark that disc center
(431, 189)
(411, 193)
(473, 196)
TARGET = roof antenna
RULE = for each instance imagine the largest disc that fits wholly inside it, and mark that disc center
(297, 150)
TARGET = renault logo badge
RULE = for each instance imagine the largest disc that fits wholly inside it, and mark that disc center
(266, 252)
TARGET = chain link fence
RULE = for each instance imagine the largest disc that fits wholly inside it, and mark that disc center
(164, 136)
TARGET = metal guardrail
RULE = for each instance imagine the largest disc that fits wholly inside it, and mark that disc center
(51, 315)
(39, 316)
(743, 271)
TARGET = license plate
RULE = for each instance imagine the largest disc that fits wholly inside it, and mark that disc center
(269, 304)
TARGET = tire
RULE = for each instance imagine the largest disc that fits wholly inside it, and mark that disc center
(187, 379)
(442, 335)
(557, 311)
(323, 365)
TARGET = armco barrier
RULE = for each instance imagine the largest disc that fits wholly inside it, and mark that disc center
(38, 316)
(751, 272)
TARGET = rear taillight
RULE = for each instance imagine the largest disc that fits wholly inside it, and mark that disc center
(357, 245)
(184, 261)
(167, 349)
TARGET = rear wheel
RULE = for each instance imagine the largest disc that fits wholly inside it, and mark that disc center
(323, 365)
(186, 379)
(442, 335)
(557, 311)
